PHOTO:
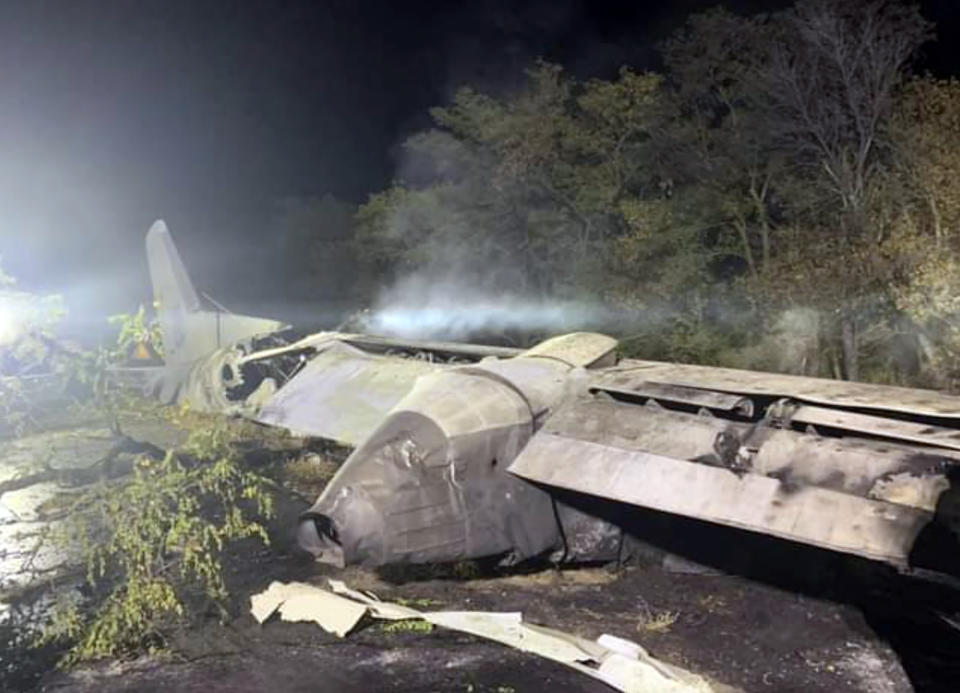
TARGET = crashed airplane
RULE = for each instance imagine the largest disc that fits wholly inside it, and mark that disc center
(465, 451)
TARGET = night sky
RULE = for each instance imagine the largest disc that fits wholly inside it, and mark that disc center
(115, 113)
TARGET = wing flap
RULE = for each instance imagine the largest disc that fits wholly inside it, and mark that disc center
(777, 385)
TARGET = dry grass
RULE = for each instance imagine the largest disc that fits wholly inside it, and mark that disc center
(308, 474)
(655, 620)
(660, 622)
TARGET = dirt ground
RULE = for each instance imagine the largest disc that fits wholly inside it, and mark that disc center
(750, 634)
(737, 632)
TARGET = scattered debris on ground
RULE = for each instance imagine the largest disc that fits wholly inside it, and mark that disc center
(621, 664)
(751, 635)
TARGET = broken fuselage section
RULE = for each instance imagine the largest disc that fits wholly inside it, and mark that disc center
(465, 451)
(464, 455)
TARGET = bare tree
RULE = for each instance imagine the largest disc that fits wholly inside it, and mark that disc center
(829, 87)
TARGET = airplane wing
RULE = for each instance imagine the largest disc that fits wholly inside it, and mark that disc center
(793, 457)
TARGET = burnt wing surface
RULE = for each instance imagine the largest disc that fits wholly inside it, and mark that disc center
(851, 467)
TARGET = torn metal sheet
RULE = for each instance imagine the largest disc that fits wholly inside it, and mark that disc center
(621, 664)
(430, 484)
(812, 515)
(782, 482)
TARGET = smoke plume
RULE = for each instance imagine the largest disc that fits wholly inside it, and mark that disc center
(423, 306)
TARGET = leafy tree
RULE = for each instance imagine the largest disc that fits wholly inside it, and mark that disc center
(28, 348)
(783, 174)
(926, 130)
(723, 155)
(783, 142)
(137, 331)
(529, 185)
(926, 221)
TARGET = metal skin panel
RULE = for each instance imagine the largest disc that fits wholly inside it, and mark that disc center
(876, 425)
(777, 385)
(693, 396)
(860, 496)
(822, 517)
(172, 289)
(850, 465)
(542, 382)
(342, 393)
(463, 401)
(430, 484)
(583, 349)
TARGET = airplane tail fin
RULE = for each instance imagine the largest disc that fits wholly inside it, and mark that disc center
(189, 331)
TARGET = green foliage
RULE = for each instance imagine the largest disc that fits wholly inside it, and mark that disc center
(154, 544)
(407, 625)
(136, 329)
(27, 327)
(932, 301)
(14, 407)
(527, 188)
(783, 164)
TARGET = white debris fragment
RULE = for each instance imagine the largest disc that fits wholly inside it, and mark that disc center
(621, 664)
(298, 601)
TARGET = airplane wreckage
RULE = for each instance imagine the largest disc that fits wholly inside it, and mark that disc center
(464, 451)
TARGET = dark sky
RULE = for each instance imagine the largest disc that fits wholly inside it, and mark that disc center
(205, 113)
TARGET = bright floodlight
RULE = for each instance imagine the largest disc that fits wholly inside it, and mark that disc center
(9, 322)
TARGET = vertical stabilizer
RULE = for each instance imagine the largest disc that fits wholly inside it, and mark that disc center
(173, 292)
(189, 332)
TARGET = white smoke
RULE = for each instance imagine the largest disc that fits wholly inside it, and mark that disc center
(421, 307)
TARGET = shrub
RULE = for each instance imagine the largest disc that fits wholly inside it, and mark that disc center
(136, 329)
(153, 546)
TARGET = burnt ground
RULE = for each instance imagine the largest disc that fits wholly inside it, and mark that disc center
(733, 630)
(748, 634)
(766, 630)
